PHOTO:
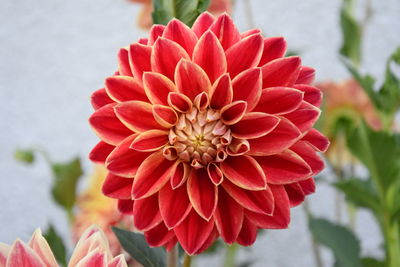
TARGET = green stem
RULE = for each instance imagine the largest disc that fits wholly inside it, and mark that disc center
(392, 238)
(314, 245)
(187, 261)
(230, 255)
(172, 257)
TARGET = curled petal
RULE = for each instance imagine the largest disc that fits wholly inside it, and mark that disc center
(125, 161)
(238, 147)
(124, 88)
(226, 31)
(274, 47)
(228, 217)
(100, 98)
(284, 135)
(117, 187)
(180, 175)
(254, 125)
(147, 213)
(215, 174)
(280, 219)
(306, 75)
(304, 117)
(281, 72)
(234, 112)
(203, 194)
(279, 100)
(174, 205)
(222, 92)
(159, 235)
(193, 232)
(247, 86)
(123, 63)
(180, 102)
(191, 79)
(137, 116)
(156, 32)
(139, 59)
(157, 87)
(166, 55)
(100, 152)
(317, 140)
(178, 32)
(312, 94)
(245, 172)
(107, 126)
(309, 155)
(248, 233)
(244, 54)
(201, 101)
(209, 55)
(284, 168)
(202, 23)
(257, 201)
(152, 175)
(150, 141)
(164, 115)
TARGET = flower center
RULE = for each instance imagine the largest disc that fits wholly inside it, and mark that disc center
(199, 137)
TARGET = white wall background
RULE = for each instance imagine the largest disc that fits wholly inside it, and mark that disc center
(55, 53)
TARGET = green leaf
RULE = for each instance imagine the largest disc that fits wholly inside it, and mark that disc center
(339, 239)
(136, 245)
(371, 262)
(359, 192)
(24, 155)
(379, 152)
(351, 33)
(56, 244)
(66, 176)
(185, 10)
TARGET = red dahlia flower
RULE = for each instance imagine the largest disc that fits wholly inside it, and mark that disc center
(207, 132)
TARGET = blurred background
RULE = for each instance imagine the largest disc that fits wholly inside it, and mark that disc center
(54, 54)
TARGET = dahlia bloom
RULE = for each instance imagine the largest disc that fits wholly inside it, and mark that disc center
(145, 20)
(91, 250)
(95, 208)
(207, 132)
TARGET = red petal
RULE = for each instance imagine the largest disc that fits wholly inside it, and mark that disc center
(307, 153)
(248, 233)
(193, 232)
(226, 31)
(317, 140)
(143, 41)
(171, 244)
(215, 173)
(157, 87)
(21, 255)
(222, 92)
(279, 100)
(139, 58)
(159, 235)
(249, 32)
(174, 205)
(245, 54)
(123, 63)
(210, 56)
(247, 86)
(238, 147)
(282, 137)
(124, 88)
(203, 194)
(156, 31)
(150, 141)
(166, 54)
(304, 117)
(295, 194)
(100, 98)
(211, 239)
(165, 115)
(258, 201)
(245, 172)
(202, 23)
(228, 217)
(179, 102)
(306, 75)
(178, 32)
(152, 175)
(281, 72)
(125, 161)
(254, 125)
(125, 206)
(100, 152)
(281, 216)
(312, 94)
(190, 79)
(284, 168)
(107, 126)
(146, 213)
(234, 112)
(117, 187)
(274, 47)
(308, 186)
(180, 175)
(137, 116)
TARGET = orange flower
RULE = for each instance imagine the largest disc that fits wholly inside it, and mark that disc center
(145, 21)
